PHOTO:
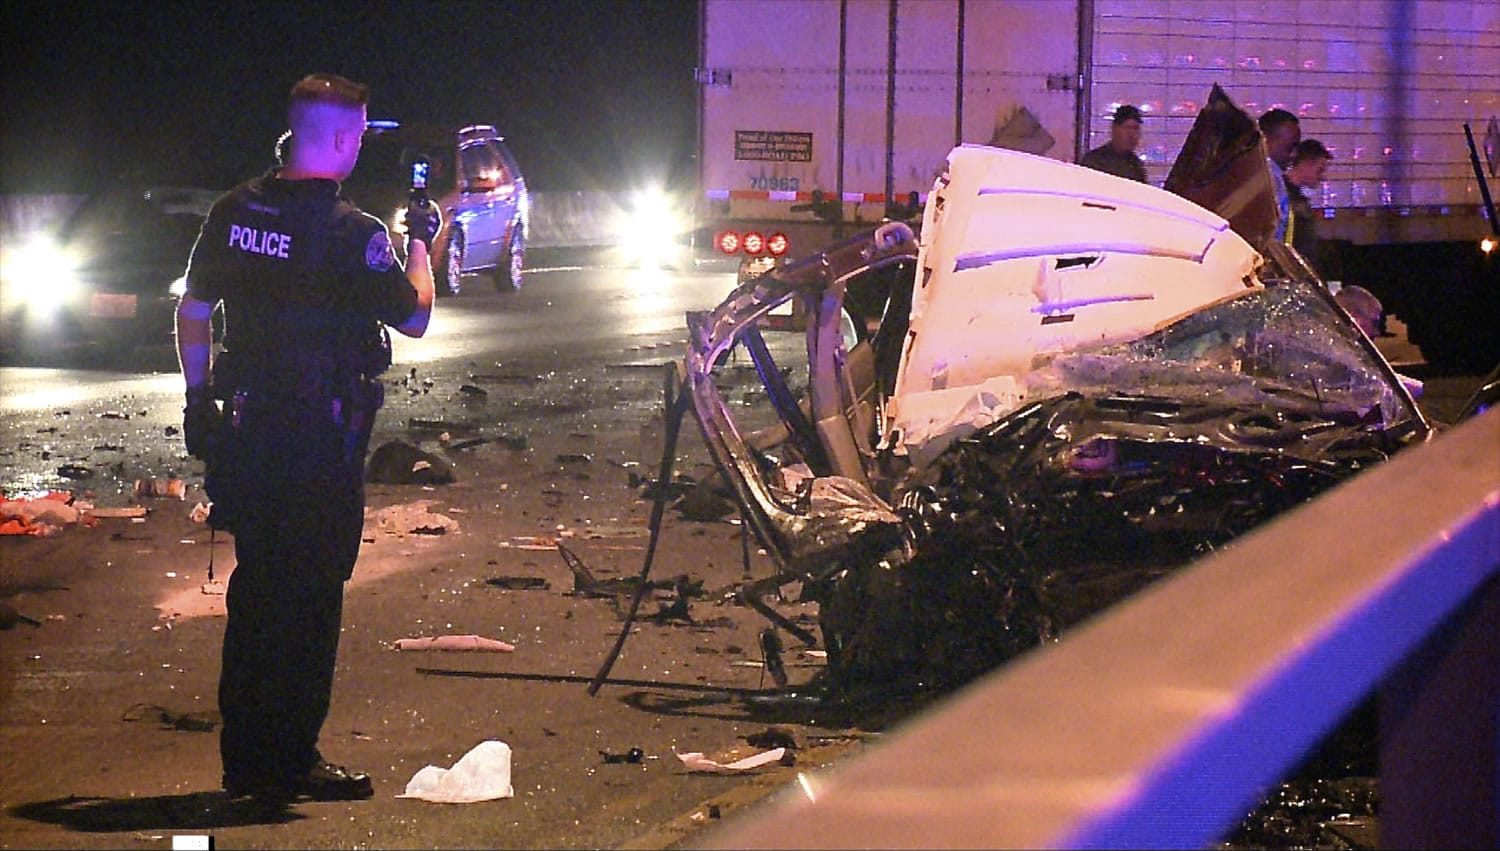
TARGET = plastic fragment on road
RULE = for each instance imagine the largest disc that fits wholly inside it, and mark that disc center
(39, 516)
(698, 762)
(482, 774)
(124, 512)
(413, 518)
(160, 489)
(463, 643)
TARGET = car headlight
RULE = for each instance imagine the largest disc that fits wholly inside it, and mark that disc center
(650, 230)
(41, 274)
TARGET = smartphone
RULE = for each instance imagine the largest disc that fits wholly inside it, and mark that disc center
(419, 174)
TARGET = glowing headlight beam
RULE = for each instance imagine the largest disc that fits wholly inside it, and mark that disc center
(42, 274)
(648, 232)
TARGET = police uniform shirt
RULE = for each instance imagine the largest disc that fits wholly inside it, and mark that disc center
(296, 265)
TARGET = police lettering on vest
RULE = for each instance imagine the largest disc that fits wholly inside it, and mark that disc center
(256, 241)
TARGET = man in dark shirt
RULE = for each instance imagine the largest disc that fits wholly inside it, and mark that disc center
(1309, 166)
(1118, 157)
(308, 283)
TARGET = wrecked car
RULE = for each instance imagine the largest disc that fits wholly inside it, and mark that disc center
(1070, 385)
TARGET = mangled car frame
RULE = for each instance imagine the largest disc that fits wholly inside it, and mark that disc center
(1070, 385)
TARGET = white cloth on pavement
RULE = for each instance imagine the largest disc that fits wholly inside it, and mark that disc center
(482, 774)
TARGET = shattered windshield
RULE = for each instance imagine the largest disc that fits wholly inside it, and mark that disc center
(1283, 345)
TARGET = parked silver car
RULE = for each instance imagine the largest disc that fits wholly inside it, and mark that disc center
(474, 179)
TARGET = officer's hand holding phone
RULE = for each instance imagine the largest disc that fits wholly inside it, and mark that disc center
(422, 216)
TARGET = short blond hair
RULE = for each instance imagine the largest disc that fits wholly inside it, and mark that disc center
(323, 89)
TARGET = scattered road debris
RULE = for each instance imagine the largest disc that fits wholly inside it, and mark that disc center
(470, 443)
(585, 584)
(698, 762)
(462, 643)
(772, 737)
(632, 756)
(770, 648)
(482, 774)
(605, 530)
(160, 488)
(10, 616)
(204, 721)
(413, 518)
(705, 505)
(127, 512)
(506, 378)
(398, 463)
(519, 583)
(39, 516)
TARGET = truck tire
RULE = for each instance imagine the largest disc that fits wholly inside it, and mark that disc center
(1455, 325)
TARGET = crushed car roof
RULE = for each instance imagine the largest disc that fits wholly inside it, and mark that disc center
(1023, 255)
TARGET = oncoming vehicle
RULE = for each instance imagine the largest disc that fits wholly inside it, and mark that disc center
(1071, 385)
(476, 183)
(109, 276)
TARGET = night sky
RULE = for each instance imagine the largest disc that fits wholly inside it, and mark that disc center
(590, 94)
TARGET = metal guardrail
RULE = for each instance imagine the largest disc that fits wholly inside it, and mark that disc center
(1166, 719)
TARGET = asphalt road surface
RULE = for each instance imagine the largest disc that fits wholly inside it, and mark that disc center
(547, 404)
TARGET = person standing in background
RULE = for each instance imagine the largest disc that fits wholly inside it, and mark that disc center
(1118, 156)
(1282, 132)
(1309, 166)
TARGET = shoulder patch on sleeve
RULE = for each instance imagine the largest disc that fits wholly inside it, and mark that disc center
(378, 253)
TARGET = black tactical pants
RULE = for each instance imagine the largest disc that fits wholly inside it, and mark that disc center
(298, 513)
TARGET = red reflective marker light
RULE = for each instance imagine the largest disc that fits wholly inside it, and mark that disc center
(777, 244)
(728, 242)
(754, 243)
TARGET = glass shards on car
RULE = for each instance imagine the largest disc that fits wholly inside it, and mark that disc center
(475, 181)
(1070, 386)
(109, 276)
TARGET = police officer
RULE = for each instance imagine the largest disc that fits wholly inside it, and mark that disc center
(308, 283)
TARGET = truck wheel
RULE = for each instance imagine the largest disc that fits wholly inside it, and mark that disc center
(1457, 332)
(508, 270)
(450, 270)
